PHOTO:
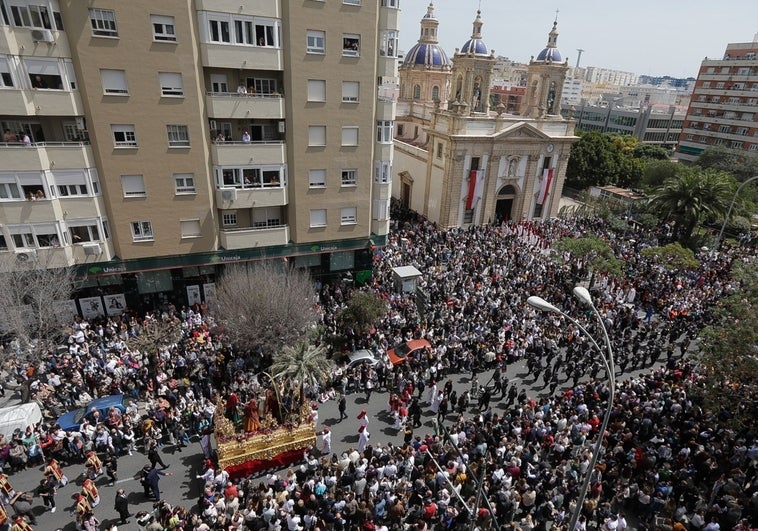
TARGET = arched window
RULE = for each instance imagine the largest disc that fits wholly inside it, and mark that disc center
(435, 93)
(416, 92)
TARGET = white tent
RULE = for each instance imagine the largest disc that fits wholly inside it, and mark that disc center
(19, 416)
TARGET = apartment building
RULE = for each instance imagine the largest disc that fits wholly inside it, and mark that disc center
(724, 103)
(149, 143)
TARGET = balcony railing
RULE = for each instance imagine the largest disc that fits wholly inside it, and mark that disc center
(44, 144)
(247, 95)
(248, 237)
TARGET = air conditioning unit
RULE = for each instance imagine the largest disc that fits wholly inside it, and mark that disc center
(42, 35)
(212, 123)
(80, 123)
(281, 127)
(92, 249)
(25, 256)
(229, 194)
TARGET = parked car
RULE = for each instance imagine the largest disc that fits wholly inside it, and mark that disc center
(401, 351)
(72, 420)
(358, 357)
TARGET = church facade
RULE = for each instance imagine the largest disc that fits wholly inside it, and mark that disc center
(461, 162)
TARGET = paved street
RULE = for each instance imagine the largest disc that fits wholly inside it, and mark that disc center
(183, 488)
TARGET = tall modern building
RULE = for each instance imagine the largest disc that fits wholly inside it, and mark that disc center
(723, 109)
(149, 143)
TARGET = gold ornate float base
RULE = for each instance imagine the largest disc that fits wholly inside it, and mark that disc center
(274, 442)
(265, 446)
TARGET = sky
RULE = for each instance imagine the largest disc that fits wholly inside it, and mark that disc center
(646, 37)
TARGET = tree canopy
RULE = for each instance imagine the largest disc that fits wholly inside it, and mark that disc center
(265, 306)
(593, 161)
(736, 162)
(363, 310)
(672, 256)
(692, 196)
(33, 302)
(601, 159)
(598, 255)
(729, 347)
(301, 364)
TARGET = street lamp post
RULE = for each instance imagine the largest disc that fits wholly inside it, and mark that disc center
(731, 206)
(607, 357)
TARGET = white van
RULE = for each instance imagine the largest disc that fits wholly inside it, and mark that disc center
(19, 416)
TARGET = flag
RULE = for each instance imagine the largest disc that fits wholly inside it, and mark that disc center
(475, 188)
(471, 189)
(547, 179)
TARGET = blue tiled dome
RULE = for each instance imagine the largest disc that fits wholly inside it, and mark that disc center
(550, 54)
(426, 54)
(475, 46)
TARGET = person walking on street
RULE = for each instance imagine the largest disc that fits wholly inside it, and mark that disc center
(342, 407)
(154, 455)
(46, 490)
(369, 388)
(326, 438)
(121, 505)
(153, 481)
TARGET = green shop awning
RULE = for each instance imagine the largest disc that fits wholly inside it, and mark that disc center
(118, 266)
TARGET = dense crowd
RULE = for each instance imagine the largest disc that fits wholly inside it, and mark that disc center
(666, 463)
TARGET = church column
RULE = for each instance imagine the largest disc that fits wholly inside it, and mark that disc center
(560, 176)
(527, 194)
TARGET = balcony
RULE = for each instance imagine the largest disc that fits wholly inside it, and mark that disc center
(66, 255)
(20, 41)
(244, 153)
(254, 237)
(39, 211)
(261, 8)
(244, 106)
(36, 102)
(46, 155)
(56, 102)
(389, 18)
(236, 198)
(240, 57)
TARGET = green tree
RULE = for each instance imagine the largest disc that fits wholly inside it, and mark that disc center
(727, 348)
(673, 256)
(599, 257)
(737, 162)
(593, 161)
(630, 172)
(363, 310)
(656, 172)
(691, 197)
(300, 365)
(650, 152)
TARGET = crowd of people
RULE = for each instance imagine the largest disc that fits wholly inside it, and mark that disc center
(667, 462)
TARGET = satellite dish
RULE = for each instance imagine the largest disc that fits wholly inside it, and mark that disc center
(22, 257)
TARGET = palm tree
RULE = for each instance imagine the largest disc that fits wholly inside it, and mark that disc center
(301, 364)
(690, 196)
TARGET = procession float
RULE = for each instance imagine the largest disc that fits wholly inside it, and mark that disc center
(263, 438)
